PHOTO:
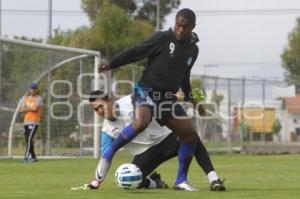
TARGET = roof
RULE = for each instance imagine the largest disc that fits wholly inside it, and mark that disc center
(292, 104)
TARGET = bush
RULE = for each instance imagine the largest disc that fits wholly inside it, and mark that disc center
(276, 126)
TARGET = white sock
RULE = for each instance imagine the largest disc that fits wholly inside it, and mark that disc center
(102, 169)
(152, 184)
(212, 176)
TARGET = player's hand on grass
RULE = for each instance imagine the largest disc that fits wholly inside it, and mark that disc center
(103, 67)
(94, 184)
(82, 187)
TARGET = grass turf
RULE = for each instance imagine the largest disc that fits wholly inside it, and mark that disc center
(247, 176)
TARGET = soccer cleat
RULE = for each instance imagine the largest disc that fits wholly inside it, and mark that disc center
(185, 186)
(159, 183)
(218, 185)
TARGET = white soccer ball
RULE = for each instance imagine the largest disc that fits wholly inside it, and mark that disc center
(128, 176)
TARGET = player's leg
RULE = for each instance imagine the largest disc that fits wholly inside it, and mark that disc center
(205, 163)
(188, 135)
(141, 120)
(202, 157)
(127, 134)
(149, 160)
(33, 130)
(26, 135)
(143, 107)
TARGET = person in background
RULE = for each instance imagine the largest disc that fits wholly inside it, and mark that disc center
(32, 109)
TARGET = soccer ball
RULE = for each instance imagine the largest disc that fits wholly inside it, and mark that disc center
(128, 176)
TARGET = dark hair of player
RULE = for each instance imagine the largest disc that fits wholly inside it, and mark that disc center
(97, 94)
(188, 14)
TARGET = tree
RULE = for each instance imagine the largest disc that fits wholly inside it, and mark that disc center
(276, 127)
(291, 57)
(148, 10)
(145, 10)
(196, 83)
(114, 30)
(92, 7)
(80, 38)
(20, 65)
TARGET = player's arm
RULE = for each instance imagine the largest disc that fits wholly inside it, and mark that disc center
(38, 105)
(186, 88)
(106, 141)
(136, 53)
(186, 83)
(24, 108)
(29, 109)
(101, 171)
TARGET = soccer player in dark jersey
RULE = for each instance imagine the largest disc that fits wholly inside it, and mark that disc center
(170, 56)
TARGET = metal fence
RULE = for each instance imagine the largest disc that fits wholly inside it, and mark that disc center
(64, 76)
(67, 75)
(244, 115)
(247, 113)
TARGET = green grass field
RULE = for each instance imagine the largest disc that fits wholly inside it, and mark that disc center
(247, 176)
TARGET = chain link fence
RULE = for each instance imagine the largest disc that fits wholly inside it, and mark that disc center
(245, 110)
(250, 112)
(65, 76)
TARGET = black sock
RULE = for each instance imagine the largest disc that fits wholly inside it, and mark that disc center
(203, 158)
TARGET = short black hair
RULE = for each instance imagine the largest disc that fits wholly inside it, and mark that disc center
(96, 94)
(187, 13)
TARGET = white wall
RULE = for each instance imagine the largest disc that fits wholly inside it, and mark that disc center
(288, 124)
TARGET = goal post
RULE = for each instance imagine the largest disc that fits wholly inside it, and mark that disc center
(23, 62)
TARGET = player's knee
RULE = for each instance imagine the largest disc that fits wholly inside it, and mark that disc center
(191, 138)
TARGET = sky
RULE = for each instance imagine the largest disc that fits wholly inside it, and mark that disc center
(238, 38)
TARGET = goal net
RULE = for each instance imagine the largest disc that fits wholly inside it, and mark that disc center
(65, 77)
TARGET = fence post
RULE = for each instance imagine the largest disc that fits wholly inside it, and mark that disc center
(264, 115)
(242, 109)
(81, 113)
(96, 116)
(1, 83)
(48, 133)
(229, 117)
